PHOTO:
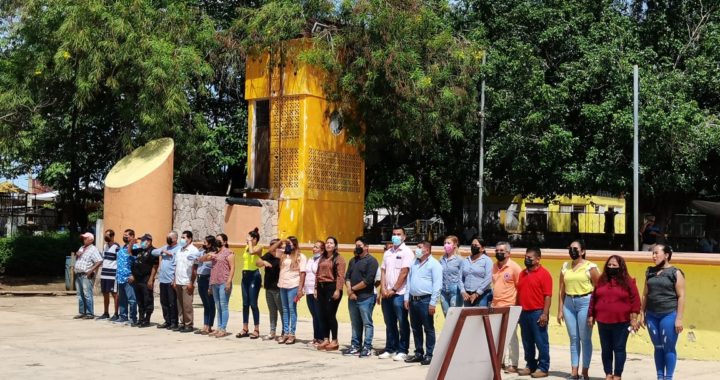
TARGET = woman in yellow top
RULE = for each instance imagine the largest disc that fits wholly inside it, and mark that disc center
(251, 282)
(577, 281)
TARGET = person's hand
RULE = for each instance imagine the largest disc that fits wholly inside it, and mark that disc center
(336, 295)
(90, 275)
(590, 321)
(150, 284)
(635, 325)
(474, 297)
(228, 286)
(407, 305)
(167, 253)
(543, 320)
(353, 296)
(431, 310)
(131, 279)
(190, 289)
(300, 293)
(465, 296)
(641, 320)
(378, 300)
(173, 285)
(561, 317)
(384, 293)
(678, 325)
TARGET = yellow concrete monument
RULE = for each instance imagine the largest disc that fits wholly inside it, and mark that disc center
(139, 192)
(299, 154)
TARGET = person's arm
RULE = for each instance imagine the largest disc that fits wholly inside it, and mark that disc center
(680, 291)
(153, 273)
(547, 291)
(340, 270)
(461, 283)
(437, 279)
(231, 261)
(591, 308)
(594, 275)
(193, 277)
(643, 304)
(404, 273)
(254, 249)
(561, 296)
(383, 292)
(300, 291)
(635, 305)
(158, 251)
(406, 296)
(486, 281)
(272, 249)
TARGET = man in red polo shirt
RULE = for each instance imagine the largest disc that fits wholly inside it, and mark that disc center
(534, 295)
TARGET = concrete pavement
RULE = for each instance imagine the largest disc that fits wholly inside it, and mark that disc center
(39, 339)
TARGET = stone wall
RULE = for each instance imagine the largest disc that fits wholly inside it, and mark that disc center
(205, 215)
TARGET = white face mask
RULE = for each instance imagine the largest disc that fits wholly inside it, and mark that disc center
(418, 253)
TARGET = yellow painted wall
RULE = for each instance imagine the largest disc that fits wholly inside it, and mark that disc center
(701, 309)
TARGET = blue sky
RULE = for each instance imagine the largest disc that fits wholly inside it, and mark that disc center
(21, 182)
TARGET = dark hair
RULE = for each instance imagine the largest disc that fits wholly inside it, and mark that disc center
(581, 243)
(535, 250)
(668, 250)
(396, 227)
(427, 245)
(361, 239)
(255, 234)
(335, 250)
(273, 241)
(623, 278)
(294, 242)
(110, 233)
(212, 242)
(130, 232)
(480, 241)
(225, 240)
(188, 234)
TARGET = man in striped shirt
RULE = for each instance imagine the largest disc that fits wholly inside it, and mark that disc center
(87, 261)
(108, 286)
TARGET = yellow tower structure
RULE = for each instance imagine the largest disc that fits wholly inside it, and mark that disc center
(299, 154)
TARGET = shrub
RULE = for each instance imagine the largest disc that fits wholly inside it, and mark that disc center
(26, 255)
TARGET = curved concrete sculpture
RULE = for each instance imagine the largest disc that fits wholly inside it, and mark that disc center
(139, 192)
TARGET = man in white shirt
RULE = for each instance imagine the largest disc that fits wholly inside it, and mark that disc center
(87, 262)
(184, 284)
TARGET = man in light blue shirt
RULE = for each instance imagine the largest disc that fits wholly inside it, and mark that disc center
(424, 286)
(168, 297)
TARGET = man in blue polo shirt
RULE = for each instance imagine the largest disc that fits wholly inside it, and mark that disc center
(126, 294)
(424, 286)
(168, 297)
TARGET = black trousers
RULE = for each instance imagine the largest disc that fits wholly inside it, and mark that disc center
(145, 301)
(168, 301)
(327, 308)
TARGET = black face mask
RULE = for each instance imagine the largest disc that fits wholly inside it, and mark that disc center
(126, 239)
(358, 251)
(613, 272)
(500, 256)
(574, 253)
(474, 250)
(288, 249)
(528, 263)
(107, 239)
(169, 241)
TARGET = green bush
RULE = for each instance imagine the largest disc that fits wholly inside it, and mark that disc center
(26, 255)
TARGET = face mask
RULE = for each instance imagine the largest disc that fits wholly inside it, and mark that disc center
(169, 241)
(449, 248)
(574, 253)
(126, 239)
(288, 249)
(474, 250)
(358, 251)
(143, 244)
(183, 242)
(396, 240)
(528, 263)
(418, 253)
(612, 272)
(500, 256)
(135, 246)
(107, 239)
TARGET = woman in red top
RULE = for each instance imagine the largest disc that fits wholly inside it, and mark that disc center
(615, 305)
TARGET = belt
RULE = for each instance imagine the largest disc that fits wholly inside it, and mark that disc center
(326, 284)
(81, 274)
(250, 271)
(578, 295)
(420, 298)
(203, 275)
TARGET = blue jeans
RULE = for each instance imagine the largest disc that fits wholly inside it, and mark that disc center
(484, 300)
(362, 322)
(575, 311)
(289, 309)
(208, 301)
(663, 336)
(450, 297)
(127, 305)
(394, 314)
(534, 336)
(420, 319)
(84, 289)
(314, 308)
(250, 291)
(613, 339)
(222, 298)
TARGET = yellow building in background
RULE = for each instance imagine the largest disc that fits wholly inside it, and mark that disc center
(298, 152)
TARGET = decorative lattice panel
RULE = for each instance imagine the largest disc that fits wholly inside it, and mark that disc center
(334, 171)
(284, 132)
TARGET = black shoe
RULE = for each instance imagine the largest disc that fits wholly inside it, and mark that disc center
(352, 351)
(365, 353)
(187, 329)
(79, 316)
(414, 359)
(426, 361)
(103, 317)
(175, 327)
(144, 324)
(89, 316)
(163, 326)
(114, 318)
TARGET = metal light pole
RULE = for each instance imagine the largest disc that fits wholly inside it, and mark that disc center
(482, 151)
(636, 160)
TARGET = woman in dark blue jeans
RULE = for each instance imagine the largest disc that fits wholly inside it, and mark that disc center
(251, 282)
(204, 268)
(664, 305)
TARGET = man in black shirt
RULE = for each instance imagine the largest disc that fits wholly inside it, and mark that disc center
(143, 273)
(271, 263)
(360, 283)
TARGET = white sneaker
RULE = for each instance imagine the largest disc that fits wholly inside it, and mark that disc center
(385, 355)
(400, 357)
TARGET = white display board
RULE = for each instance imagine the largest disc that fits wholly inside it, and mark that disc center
(471, 356)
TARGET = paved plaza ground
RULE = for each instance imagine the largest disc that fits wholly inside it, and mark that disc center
(40, 340)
